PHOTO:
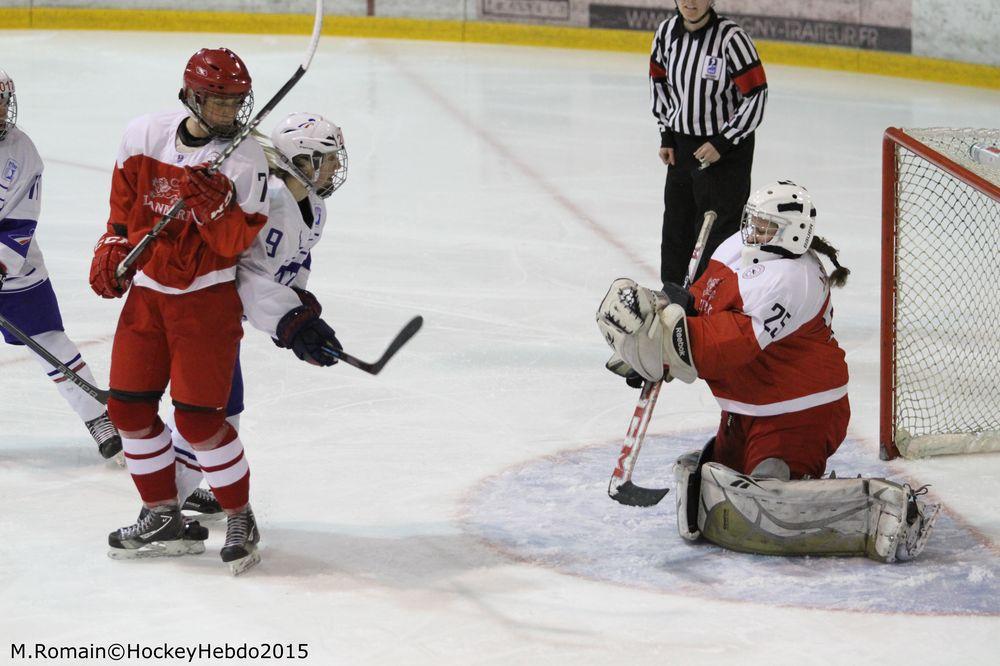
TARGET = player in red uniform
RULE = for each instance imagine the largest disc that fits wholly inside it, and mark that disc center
(181, 322)
(757, 328)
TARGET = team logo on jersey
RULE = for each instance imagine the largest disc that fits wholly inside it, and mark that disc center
(162, 194)
(166, 187)
(21, 240)
(712, 68)
(753, 271)
(705, 304)
(10, 170)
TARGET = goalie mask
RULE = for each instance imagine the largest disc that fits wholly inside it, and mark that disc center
(779, 219)
(311, 149)
(217, 91)
(8, 104)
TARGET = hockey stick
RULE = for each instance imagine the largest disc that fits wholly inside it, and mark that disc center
(141, 246)
(401, 339)
(97, 394)
(621, 489)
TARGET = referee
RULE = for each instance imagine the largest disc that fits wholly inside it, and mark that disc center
(709, 92)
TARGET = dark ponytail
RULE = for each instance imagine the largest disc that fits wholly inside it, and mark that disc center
(839, 275)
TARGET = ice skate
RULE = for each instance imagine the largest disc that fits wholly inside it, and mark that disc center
(109, 442)
(240, 549)
(159, 532)
(920, 519)
(203, 503)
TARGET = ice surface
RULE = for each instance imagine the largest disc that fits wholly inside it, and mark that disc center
(497, 191)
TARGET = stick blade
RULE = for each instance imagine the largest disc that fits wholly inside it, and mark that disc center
(630, 494)
(401, 339)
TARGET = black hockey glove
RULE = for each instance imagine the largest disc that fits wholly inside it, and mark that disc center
(310, 338)
(309, 300)
(681, 296)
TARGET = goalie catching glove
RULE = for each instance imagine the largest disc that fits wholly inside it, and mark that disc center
(647, 331)
(207, 195)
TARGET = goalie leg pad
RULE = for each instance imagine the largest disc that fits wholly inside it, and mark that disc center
(687, 475)
(677, 344)
(880, 519)
(627, 319)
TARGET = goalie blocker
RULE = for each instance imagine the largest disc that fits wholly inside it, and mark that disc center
(880, 519)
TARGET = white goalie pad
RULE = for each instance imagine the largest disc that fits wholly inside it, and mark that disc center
(882, 520)
(686, 494)
(627, 319)
(677, 344)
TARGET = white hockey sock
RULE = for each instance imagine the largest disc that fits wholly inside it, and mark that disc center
(63, 348)
(187, 468)
(225, 465)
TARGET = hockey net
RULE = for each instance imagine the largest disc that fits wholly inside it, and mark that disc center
(940, 357)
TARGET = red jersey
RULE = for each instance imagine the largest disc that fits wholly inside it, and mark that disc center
(186, 256)
(763, 340)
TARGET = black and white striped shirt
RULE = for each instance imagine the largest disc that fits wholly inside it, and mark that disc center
(709, 82)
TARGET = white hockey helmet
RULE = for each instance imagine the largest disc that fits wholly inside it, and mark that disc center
(310, 139)
(8, 100)
(779, 218)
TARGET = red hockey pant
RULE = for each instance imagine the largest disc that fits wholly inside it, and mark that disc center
(804, 439)
(189, 340)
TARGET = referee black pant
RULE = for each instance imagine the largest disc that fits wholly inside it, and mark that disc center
(689, 192)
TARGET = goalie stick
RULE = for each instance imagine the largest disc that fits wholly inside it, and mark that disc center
(621, 489)
(97, 394)
(141, 246)
(401, 339)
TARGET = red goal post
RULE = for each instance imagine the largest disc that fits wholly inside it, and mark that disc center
(940, 330)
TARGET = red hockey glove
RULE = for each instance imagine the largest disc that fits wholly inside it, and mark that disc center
(108, 253)
(207, 196)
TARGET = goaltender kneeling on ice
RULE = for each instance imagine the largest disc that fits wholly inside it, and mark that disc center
(756, 326)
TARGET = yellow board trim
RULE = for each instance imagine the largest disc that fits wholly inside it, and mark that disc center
(772, 52)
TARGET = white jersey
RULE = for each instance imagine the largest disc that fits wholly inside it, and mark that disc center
(763, 339)
(20, 206)
(280, 257)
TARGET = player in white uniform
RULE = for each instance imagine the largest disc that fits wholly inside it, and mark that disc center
(26, 296)
(308, 163)
(757, 328)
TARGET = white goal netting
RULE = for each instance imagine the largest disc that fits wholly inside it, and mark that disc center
(946, 323)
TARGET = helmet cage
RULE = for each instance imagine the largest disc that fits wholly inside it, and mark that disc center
(779, 218)
(304, 140)
(10, 118)
(195, 101)
(316, 160)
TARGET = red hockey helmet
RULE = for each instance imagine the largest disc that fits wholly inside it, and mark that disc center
(217, 73)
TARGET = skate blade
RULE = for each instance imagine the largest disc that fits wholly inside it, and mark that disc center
(252, 559)
(119, 459)
(159, 549)
(204, 517)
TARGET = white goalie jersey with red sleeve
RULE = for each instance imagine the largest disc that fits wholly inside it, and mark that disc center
(280, 258)
(763, 339)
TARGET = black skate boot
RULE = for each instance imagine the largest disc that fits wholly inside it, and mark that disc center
(159, 532)
(203, 503)
(193, 530)
(240, 549)
(109, 442)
